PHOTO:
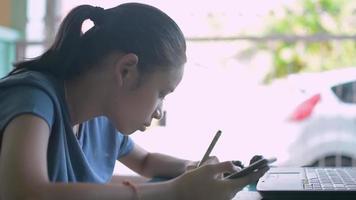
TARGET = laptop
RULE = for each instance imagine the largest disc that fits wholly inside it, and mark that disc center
(308, 183)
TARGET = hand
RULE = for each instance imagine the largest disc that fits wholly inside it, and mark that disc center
(210, 160)
(255, 158)
(206, 182)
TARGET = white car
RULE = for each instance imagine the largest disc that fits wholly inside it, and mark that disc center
(325, 119)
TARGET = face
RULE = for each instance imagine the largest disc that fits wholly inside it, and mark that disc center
(136, 107)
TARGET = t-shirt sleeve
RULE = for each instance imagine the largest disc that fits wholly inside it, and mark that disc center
(126, 146)
(19, 100)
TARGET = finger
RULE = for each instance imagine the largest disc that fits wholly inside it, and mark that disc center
(256, 158)
(258, 174)
(231, 170)
(238, 163)
(191, 167)
(211, 160)
(251, 178)
(236, 169)
(220, 168)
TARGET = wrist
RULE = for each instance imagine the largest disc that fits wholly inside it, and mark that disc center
(136, 195)
(174, 190)
(157, 191)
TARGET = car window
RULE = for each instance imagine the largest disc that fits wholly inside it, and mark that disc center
(346, 92)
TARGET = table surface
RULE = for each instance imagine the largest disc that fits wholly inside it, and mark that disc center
(247, 195)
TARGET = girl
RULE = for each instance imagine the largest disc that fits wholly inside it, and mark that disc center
(66, 116)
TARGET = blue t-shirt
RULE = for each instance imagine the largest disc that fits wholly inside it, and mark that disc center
(90, 157)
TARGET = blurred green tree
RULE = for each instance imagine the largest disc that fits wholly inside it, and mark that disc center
(317, 19)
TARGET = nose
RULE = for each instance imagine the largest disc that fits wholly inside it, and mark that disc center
(158, 114)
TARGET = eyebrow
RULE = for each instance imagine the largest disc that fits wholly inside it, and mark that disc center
(170, 91)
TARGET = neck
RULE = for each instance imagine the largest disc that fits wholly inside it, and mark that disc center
(82, 100)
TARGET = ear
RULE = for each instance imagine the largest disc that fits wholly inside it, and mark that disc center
(126, 70)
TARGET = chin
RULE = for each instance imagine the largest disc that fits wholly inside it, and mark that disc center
(129, 132)
(142, 129)
(125, 131)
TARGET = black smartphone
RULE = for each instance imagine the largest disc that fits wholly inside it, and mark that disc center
(251, 168)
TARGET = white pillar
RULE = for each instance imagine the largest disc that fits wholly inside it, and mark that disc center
(52, 19)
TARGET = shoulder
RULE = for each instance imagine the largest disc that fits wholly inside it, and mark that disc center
(30, 81)
(28, 93)
(31, 78)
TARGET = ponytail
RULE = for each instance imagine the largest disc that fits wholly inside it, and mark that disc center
(128, 28)
(58, 59)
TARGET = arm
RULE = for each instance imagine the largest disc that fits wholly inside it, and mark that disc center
(118, 179)
(23, 173)
(155, 164)
(23, 169)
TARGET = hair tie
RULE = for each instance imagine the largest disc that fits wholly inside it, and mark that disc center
(97, 16)
(133, 187)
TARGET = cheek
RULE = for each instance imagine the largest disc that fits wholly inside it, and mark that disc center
(123, 113)
(130, 112)
(147, 107)
(134, 113)
(127, 120)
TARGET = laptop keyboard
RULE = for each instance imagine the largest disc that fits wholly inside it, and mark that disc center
(330, 179)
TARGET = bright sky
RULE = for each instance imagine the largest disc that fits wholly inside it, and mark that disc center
(191, 16)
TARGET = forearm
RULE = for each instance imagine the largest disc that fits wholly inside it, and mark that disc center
(85, 191)
(160, 165)
(133, 179)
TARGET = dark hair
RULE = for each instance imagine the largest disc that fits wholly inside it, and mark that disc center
(129, 28)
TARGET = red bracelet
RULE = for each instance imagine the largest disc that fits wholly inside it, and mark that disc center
(134, 189)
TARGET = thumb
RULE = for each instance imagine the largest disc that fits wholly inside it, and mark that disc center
(222, 167)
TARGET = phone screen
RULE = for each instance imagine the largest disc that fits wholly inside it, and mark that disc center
(251, 168)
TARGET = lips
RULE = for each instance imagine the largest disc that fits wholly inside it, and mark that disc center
(144, 126)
